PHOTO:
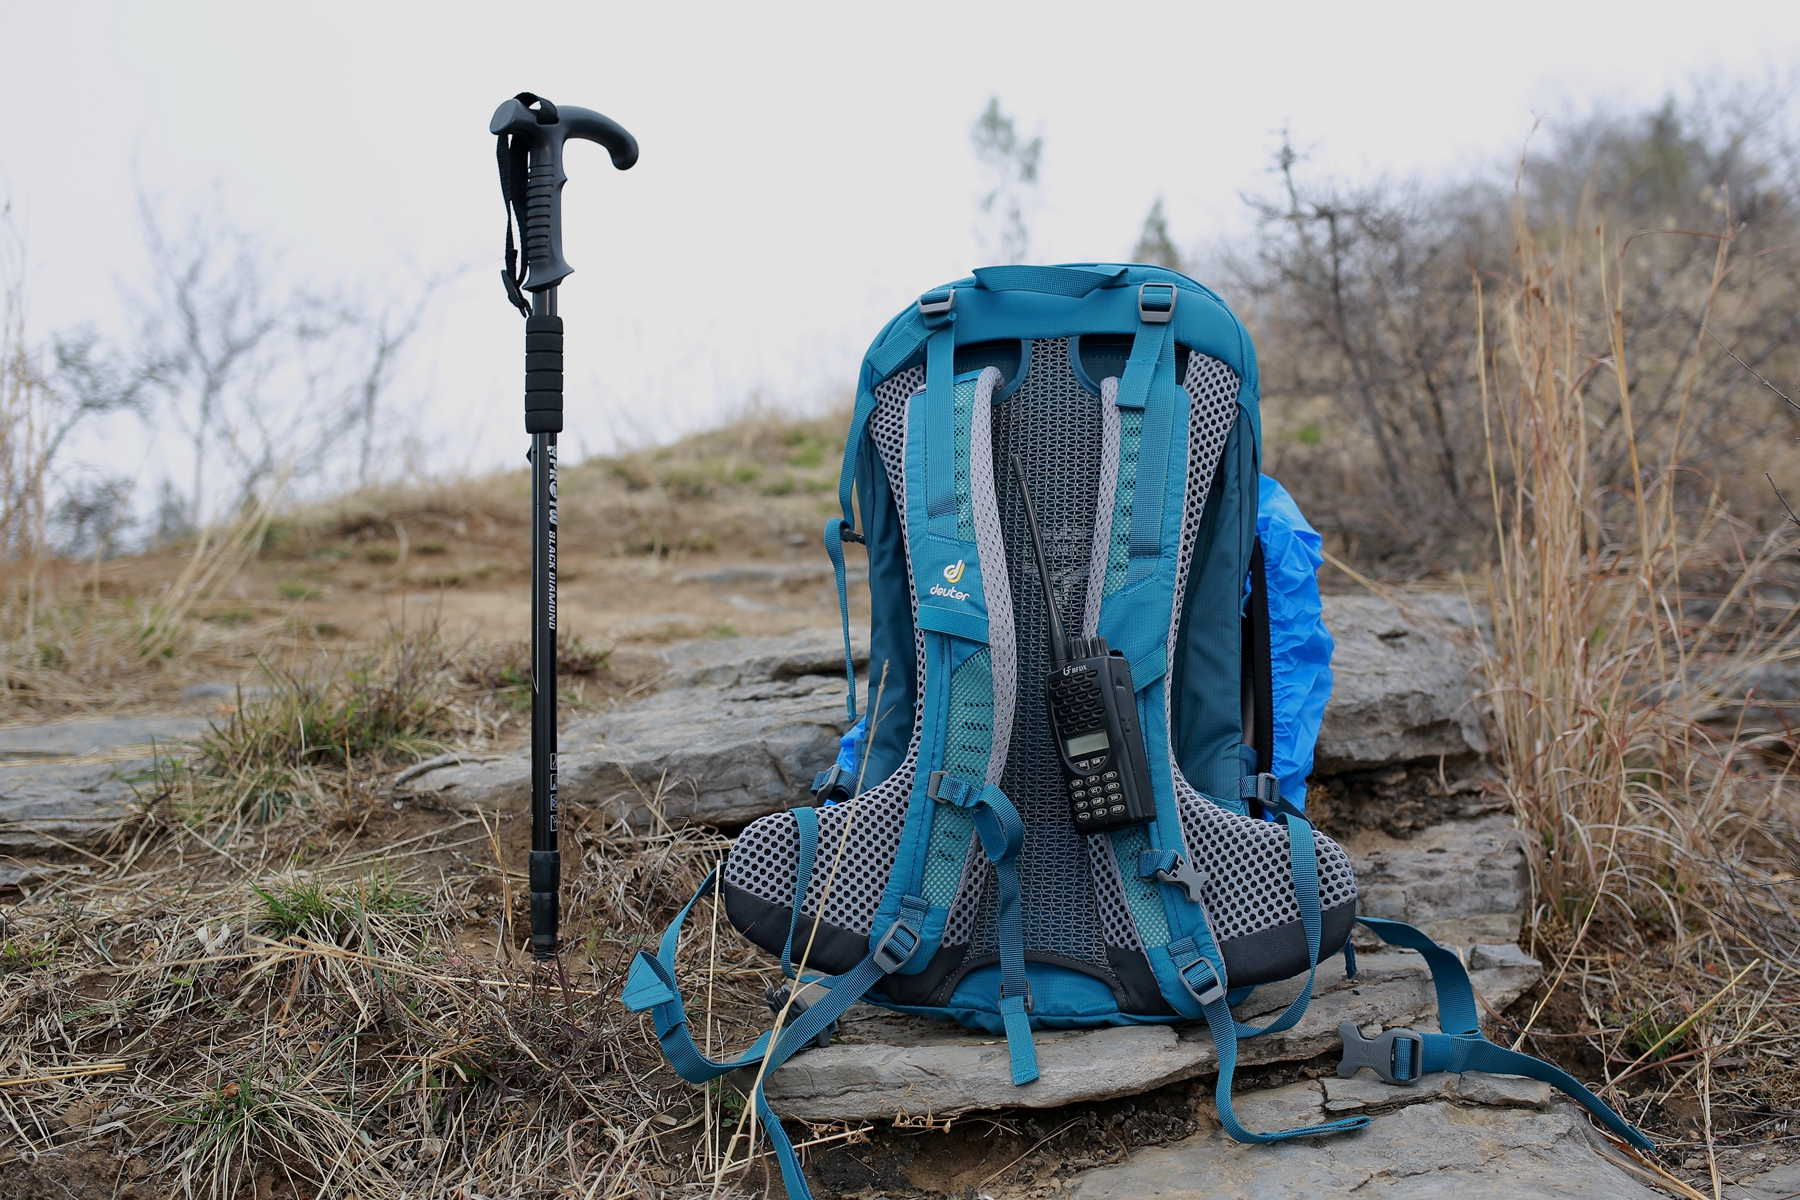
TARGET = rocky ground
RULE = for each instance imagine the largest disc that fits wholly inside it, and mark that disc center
(732, 728)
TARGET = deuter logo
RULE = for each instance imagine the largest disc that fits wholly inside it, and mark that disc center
(952, 574)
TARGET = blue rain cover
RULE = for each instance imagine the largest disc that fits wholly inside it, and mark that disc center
(1299, 645)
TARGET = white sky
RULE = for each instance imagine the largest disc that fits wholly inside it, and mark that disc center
(805, 168)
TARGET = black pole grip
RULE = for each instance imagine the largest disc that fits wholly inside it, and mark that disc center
(543, 375)
(543, 134)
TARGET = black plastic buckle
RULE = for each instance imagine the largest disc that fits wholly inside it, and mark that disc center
(776, 997)
(1029, 1002)
(1189, 879)
(889, 960)
(1214, 990)
(1377, 1053)
(936, 304)
(827, 782)
(1148, 313)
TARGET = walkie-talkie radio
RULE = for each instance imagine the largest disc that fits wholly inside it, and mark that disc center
(1093, 714)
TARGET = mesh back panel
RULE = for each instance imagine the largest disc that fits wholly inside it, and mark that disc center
(1250, 887)
(1109, 892)
(1053, 424)
(1072, 893)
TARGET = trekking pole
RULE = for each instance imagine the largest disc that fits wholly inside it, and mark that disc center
(530, 150)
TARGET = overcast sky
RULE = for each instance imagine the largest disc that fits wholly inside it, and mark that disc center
(805, 169)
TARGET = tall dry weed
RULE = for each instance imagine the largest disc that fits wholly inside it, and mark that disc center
(1634, 626)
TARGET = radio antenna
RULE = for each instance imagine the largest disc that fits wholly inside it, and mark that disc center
(1059, 646)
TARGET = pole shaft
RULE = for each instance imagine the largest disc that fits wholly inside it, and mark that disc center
(546, 868)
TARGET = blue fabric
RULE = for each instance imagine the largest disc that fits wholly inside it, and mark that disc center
(849, 747)
(1300, 646)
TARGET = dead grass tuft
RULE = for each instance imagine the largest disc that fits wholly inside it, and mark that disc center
(1633, 627)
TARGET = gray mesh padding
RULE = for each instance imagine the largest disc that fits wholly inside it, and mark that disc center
(990, 551)
(1053, 424)
(1109, 893)
(959, 926)
(1213, 388)
(1249, 887)
(1103, 506)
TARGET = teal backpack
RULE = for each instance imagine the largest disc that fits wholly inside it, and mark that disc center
(944, 873)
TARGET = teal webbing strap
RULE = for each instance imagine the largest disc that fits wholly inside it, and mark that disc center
(1149, 376)
(808, 821)
(651, 985)
(1303, 861)
(940, 431)
(1225, 1038)
(859, 424)
(1461, 1046)
(1002, 836)
(834, 550)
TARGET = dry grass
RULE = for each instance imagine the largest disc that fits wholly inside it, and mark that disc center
(1631, 623)
(337, 1000)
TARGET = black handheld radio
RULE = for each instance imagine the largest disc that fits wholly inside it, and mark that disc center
(1093, 714)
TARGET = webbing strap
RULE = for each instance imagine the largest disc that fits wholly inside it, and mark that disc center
(807, 819)
(1002, 835)
(1303, 862)
(940, 430)
(1461, 1046)
(834, 549)
(1149, 375)
(1224, 1030)
(853, 444)
(651, 985)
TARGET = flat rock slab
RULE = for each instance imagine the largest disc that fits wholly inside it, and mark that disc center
(69, 739)
(1432, 1150)
(744, 723)
(739, 736)
(1404, 685)
(888, 1065)
(1462, 881)
(49, 803)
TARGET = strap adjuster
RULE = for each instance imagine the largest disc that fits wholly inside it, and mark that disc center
(825, 783)
(1380, 1055)
(936, 304)
(1151, 307)
(896, 946)
(943, 786)
(809, 993)
(1209, 990)
(1005, 995)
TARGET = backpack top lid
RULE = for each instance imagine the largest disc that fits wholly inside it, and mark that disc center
(1066, 300)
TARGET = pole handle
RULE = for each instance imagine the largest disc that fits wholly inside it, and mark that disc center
(542, 133)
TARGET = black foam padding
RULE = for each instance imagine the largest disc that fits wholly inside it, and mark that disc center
(834, 950)
(1279, 952)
